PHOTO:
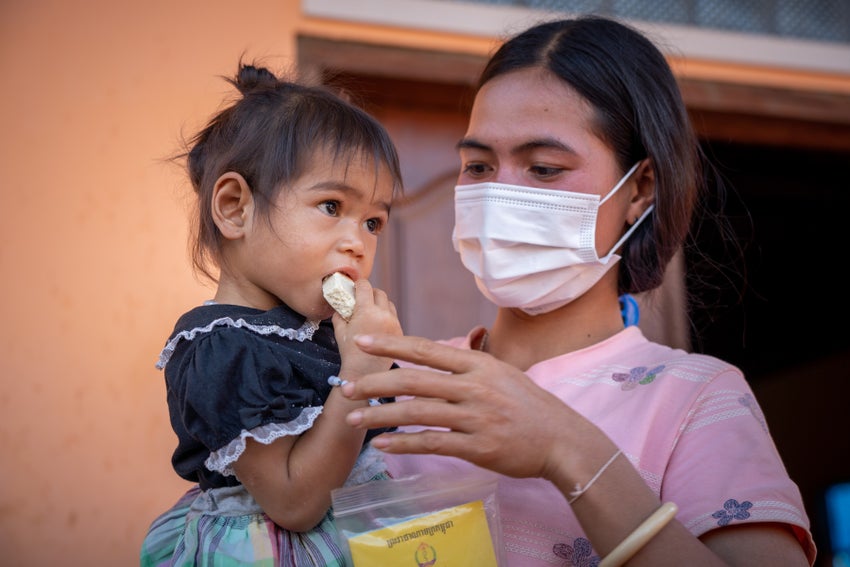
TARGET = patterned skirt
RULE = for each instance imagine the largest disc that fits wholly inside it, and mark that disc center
(225, 527)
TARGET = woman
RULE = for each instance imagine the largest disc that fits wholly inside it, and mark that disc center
(580, 175)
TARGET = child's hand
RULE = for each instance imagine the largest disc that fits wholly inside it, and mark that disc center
(373, 313)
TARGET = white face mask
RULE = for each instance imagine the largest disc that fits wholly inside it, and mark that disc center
(532, 248)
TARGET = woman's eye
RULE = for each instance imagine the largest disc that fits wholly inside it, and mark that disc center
(542, 171)
(475, 169)
(374, 225)
(330, 207)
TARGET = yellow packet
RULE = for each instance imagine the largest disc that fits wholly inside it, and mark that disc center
(454, 537)
(421, 521)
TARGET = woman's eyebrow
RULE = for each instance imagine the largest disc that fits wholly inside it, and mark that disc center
(472, 144)
(530, 145)
(543, 143)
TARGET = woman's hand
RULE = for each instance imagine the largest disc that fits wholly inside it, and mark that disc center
(491, 413)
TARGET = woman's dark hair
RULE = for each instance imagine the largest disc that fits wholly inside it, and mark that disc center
(271, 136)
(638, 111)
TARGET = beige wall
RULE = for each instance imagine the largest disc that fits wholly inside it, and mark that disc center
(92, 255)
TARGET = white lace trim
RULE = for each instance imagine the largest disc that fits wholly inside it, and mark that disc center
(221, 461)
(303, 333)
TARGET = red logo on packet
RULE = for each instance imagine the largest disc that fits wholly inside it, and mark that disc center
(425, 555)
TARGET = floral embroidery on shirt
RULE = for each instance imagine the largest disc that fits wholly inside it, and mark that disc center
(579, 554)
(732, 510)
(637, 375)
(749, 402)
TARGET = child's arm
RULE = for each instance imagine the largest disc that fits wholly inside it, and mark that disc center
(292, 477)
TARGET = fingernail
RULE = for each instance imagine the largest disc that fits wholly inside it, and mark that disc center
(364, 340)
(380, 442)
(354, 418)
(347, 389)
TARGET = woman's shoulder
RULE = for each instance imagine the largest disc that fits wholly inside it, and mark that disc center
(636, 346)
(629, 361)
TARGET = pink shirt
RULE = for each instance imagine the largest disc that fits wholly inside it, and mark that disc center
(688, 423)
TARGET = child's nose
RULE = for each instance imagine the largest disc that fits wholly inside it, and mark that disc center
(352, 239)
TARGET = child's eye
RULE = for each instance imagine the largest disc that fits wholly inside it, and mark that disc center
(374, 225)
(330, 207)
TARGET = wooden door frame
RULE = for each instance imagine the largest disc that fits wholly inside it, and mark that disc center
(722, 107)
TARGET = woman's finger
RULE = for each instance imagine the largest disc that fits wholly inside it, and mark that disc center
(405, 382)
(426, 442)
(423, 412)
(421, 351)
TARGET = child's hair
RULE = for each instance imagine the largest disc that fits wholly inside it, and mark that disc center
(271, 136)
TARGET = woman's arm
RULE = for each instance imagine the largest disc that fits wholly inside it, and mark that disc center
(492, 409)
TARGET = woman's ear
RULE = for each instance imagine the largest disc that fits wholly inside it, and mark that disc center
(644, 193)
(232, 205)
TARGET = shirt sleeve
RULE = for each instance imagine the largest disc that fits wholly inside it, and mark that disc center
(230, 381)
(726, 425)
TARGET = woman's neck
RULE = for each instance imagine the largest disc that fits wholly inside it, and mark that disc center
(524, 340)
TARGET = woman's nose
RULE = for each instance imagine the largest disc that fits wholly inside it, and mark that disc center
(508, 176)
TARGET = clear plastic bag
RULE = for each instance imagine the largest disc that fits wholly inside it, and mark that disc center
(420, 519)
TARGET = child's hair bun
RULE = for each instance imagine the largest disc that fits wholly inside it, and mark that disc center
(251, 78)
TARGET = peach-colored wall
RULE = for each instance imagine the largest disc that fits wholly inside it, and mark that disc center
(93, 265)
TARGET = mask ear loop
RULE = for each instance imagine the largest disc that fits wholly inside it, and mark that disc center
(620, 183)
(629, 232)
(635, 224)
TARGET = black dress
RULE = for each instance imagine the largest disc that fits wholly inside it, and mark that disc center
(234, 372)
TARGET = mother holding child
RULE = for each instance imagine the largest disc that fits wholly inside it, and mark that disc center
(580, 175)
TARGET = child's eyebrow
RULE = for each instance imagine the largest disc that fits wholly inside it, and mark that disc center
(343, 187)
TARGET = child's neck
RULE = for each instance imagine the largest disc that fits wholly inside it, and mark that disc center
(229, 292)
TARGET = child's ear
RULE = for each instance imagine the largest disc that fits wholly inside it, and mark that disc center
(232, 205)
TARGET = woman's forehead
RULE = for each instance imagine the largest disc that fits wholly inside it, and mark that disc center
(529, 105)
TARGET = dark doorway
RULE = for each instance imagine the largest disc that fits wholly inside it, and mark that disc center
(778, 311)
